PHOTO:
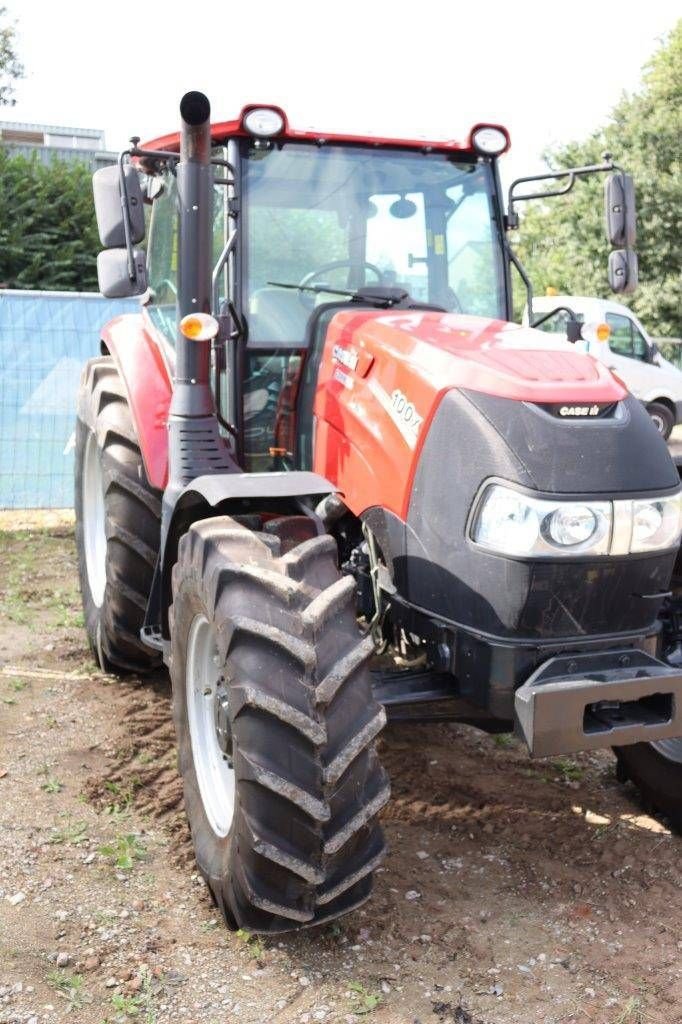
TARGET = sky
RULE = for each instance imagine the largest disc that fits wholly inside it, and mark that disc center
(432, 68)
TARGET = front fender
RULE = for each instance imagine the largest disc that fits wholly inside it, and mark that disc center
(145, 376)
(233, 494)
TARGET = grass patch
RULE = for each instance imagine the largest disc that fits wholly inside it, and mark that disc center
(124, 851)
(52, 786)
(139, 1007)
(72, 834)
(255, 947)
(568, 770)
(70, 988)
(633, 1012)
(362, 1001)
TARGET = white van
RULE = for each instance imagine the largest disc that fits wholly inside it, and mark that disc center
(628, 350)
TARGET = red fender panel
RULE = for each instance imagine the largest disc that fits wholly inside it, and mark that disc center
(147, 382)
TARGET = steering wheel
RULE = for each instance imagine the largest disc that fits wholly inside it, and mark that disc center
(308, 300)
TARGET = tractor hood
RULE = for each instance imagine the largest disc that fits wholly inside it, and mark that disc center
(417, 412)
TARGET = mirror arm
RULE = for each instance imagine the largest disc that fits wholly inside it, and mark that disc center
(166, 154)
(557, 309)
(127, 231)
(572, 173)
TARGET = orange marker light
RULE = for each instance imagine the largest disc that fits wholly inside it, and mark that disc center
(199, 326)
(603, 332)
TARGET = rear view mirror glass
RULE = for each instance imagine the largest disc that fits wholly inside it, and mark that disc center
(623, 272)
(114, 277)
(619, 210)
(106, 186)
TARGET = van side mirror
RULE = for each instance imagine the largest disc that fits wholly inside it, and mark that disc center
(109, 185)
(623, 271)
(619, 210)
(114, 277)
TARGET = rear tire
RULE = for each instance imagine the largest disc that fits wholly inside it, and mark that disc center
(118, 522)
(662, 418)
(656, 770)
(270, 640)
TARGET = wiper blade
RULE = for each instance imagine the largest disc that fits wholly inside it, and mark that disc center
(379, 296)
(327, 289)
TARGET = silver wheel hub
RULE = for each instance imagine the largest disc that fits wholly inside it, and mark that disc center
(94, 531)
(209, 726)
(670, 749)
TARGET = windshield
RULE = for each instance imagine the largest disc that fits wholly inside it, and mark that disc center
(351, 216)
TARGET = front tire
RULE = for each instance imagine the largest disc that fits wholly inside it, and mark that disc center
(656, 770)
(276, 722)
(118, 522)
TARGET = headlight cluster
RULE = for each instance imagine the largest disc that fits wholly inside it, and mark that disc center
(512, 523)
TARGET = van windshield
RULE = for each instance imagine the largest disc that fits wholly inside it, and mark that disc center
(351, 216)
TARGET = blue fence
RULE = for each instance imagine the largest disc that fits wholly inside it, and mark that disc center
(45, 337)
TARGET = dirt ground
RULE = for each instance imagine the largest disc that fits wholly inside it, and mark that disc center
(535, 892)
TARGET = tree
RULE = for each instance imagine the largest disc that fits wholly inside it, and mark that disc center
(48, 232)
(562, 241)
(10, 66)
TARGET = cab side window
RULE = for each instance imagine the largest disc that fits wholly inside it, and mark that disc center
(162, 259)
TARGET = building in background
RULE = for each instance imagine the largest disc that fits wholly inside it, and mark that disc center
(53, 142)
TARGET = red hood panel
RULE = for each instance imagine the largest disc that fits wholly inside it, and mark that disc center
(491, 356)
(382, 376)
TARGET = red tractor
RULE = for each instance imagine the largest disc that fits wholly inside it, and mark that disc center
(322, 477)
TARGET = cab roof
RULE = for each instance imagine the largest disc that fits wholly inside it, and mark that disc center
(223, 130)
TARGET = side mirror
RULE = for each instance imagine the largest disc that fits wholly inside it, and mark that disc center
(113, 273)
(623, 272)
(619, 210)
(111, 203)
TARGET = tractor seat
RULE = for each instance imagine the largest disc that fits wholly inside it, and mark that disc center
(277, 315)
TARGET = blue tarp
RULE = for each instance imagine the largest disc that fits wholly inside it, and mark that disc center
(45, 337)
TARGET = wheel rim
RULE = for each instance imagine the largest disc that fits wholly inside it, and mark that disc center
(94, 533)
(209, 728)
(670, 749)
(658, 422)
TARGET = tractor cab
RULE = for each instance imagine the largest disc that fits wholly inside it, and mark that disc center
(302, 220)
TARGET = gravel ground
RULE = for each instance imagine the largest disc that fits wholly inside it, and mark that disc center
(530, 891)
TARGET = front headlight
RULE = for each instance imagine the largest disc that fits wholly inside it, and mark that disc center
(512, 523)
(656, 523)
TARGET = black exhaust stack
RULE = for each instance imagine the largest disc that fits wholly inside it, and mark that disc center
(192, 394)
(195, 445)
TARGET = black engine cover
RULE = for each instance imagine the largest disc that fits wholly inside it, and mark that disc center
(474, 437)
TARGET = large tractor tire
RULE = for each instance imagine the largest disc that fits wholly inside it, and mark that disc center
(276, 723)
(118, 522)
(656, 770)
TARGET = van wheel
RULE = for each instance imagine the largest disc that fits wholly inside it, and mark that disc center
(662, 418)
(276, 725)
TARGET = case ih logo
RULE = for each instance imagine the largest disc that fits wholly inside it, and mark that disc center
(347, 357)
(579, 410)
